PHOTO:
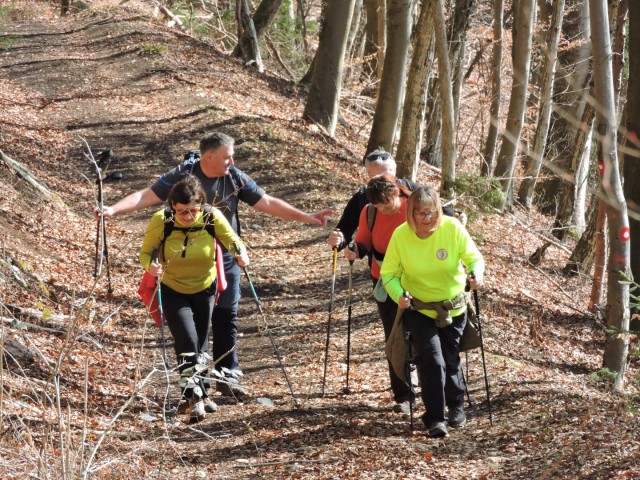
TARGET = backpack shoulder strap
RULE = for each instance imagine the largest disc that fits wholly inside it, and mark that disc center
(371, 216)
(168, 226)
(209, 224)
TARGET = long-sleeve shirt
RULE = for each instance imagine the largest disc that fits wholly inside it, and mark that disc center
(431, 269)
(189, 266)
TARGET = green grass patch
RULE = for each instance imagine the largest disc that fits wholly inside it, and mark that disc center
(152, 49)
(7, 42)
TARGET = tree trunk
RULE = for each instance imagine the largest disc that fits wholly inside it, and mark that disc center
(413, 111)
(525, 194)
(617, 311)
(383, 26)
(262, 20)
(250, 48)
(462, 14)
(599, 254)
(446, 102)
(583, 165)
(506, 163)
(496, 90)
(391, 92)
(324, 93)
(582, 257)
(570, 101)
(631, 165)
(370, 64)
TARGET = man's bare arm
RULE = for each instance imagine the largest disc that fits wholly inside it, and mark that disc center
(131, 203)
(281, 209)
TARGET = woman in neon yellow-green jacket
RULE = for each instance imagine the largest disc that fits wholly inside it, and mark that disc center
(185, 263)
(425, 263)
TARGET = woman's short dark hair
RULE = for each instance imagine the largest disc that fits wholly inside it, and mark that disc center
(382, 189)
(186, 190)
(423, 197)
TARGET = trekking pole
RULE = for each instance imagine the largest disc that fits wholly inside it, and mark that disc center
(484, 363)
(268, 330)
(408, 370)
(346, 389)
(166, 408)
(333, 287)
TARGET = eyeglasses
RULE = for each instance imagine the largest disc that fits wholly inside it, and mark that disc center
(421, 215)
(191, 211)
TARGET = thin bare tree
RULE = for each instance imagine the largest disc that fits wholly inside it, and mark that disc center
(618, 263)
(534, 163)
(522, 37)
(489, 150)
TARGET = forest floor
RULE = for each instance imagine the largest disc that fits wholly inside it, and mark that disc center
(83, 382)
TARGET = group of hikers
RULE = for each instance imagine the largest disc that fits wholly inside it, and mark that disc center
(421, 259)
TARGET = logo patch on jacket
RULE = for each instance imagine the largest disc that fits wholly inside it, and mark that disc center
(442, 254)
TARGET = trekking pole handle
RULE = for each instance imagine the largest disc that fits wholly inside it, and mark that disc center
(335, 259)
(352, 248)
(408, 296)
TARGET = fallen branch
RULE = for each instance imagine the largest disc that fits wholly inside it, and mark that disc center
(24, 173)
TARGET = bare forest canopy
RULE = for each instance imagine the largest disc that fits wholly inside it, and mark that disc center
(523, 115)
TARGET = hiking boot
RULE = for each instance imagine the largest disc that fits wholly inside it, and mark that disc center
(404, 407)
(196, 409)
(209, 405)
(437, 429)
(457, 418)
(231, 388)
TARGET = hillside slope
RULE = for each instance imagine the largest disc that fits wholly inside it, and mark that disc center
(83, 384)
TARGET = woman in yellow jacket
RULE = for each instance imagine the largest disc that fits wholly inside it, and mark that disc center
(424, 268)
(185, 262)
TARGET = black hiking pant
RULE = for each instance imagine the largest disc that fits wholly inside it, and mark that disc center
(224, 321)
(188, 317)
(436, 353)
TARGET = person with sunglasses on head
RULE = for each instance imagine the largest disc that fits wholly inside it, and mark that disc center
(225, 187)
(185, 263)
(375, 163)
(425, 271)
(385, 195)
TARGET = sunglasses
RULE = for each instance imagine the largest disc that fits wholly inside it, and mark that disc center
(374, 157)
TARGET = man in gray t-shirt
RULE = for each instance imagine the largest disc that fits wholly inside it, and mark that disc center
(225, 186)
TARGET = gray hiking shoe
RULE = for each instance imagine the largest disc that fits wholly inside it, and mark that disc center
(405, 407)
(196, 409)
(457, 418)
(437, 429)
(209, 405)
(231, 388)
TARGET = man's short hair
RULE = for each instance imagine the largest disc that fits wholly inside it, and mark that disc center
(214, 140)
(379, 155)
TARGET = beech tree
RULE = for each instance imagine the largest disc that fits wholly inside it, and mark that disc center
(617, 310)
(632, 145)
(326, 82)
(391, 92)
(506, 162)
(413, 112)
(489, 150)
